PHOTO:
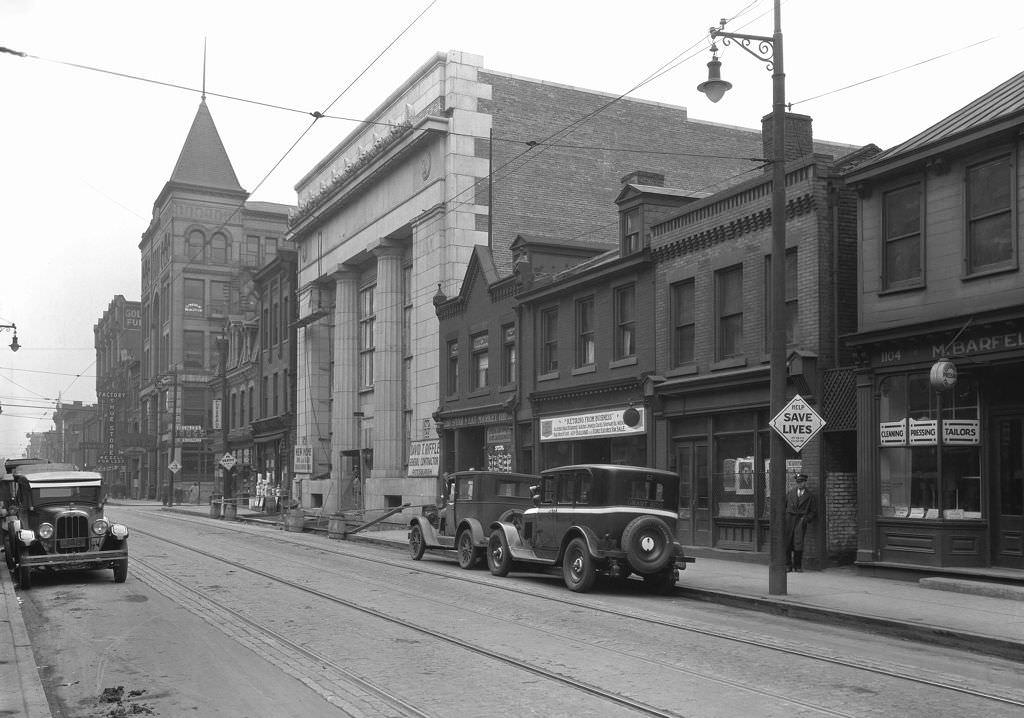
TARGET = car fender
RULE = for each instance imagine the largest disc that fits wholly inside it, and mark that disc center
(515, 541)
(593, 542)
(477, 530)
(427, 529)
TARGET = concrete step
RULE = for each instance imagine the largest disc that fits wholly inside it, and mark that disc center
(977, 588)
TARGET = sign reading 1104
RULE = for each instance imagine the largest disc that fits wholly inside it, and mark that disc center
(797, 423)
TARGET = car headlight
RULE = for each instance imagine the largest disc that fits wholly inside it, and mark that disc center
(26, 536)
(100, 526)
(119, 531)
(45, 531)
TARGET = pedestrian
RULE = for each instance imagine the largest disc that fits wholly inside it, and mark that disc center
(801, 509)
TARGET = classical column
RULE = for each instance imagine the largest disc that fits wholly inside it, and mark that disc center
(388, 439)
(344, 425)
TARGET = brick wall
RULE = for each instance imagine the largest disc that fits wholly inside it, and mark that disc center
(840, 515)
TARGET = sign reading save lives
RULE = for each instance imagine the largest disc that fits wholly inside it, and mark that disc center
(797, 423)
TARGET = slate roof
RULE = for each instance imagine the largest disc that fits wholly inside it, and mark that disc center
(203, 160)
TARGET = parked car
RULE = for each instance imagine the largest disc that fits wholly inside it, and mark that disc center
(596, 519)
(472, 501)
(55, 521)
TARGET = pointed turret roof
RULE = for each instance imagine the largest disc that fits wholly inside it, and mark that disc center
(203, 160)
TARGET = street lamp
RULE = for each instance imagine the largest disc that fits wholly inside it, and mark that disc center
(769, 51)
(14, 342)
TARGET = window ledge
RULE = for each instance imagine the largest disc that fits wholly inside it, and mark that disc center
(627, 361)
(482, 391)
(985, 273)
(730, 363)
(588, 369)
(547, 377)
(685, 370)
(899, 290)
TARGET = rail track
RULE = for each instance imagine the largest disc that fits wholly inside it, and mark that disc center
(363, 690)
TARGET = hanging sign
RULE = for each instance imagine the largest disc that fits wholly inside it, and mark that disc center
(893, 433)
(961, 432)
(797, 423)
(922, 433)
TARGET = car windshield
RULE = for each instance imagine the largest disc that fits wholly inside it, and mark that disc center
(65, 493)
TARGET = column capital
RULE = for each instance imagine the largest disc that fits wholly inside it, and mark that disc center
(388, 249)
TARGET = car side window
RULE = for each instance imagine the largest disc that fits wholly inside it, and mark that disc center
(465, 490)
(566, 483)
(586, 489)
(548, 493)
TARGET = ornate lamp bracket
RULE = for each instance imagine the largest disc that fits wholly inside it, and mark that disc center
(765, 47)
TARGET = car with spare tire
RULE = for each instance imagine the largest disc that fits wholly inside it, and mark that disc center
(591, 520)
(470, 502)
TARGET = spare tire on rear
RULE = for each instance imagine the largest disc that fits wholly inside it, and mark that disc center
(647, 542)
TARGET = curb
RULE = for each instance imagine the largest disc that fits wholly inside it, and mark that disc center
(29, 699)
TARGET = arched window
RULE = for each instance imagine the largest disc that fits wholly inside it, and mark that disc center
(219, 248)
(195, 246)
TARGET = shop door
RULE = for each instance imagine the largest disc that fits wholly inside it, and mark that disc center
(1008, 492)
(694, 494)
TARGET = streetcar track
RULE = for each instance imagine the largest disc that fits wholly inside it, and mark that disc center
(887, 670)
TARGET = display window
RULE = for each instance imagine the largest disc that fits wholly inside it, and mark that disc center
(930, 449)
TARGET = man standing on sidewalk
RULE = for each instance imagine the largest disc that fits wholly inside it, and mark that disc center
(801, 509)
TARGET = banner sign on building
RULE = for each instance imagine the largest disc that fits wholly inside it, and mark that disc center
(303, 462)
(425, 457)
(616, 422)
(217, 414)
(925, 432)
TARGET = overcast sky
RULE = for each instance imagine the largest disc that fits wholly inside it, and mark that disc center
(85, 150)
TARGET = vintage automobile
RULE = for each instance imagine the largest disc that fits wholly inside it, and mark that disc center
(55, 521)
(593, 519)
(472, 501)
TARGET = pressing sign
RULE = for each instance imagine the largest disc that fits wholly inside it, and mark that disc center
(797, 423)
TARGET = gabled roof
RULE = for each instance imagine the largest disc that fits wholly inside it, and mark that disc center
(1001, 105)
(203, 160)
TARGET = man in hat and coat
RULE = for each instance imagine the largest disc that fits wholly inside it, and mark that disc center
(801, 509)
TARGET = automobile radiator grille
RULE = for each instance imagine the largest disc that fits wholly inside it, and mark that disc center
(72, 533)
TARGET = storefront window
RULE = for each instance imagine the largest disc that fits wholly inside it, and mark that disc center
(929, 458)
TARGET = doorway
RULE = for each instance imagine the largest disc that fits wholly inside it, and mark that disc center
(1008, 492)
(694, 493)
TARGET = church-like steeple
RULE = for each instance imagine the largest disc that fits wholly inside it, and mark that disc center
(203, 160)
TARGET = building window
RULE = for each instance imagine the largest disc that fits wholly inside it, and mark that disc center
(275, 321)
(683, 323)
(251, 251)
(275, 391)
(233, 420)
(901, 221)
(252, 404)
(729, 311)
(195, 296)
(508, 354)
(990, 235)
(630, 232)
(481, 361)
(192, 349)
(625, 322)
(220, 296)
(367, 318)
(585, 347)
(219, 248)
(912, 485)
(453, 368)
(549, 340)
(792, 305)
(265, 398)
(195, 247)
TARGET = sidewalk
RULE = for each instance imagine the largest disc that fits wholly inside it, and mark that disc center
(21, 690)
(972, 615)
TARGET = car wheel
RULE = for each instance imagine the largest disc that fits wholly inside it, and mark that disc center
(416, 543)
(120, 570)
(578, 570)
(512, 517)
(469, 555)
(661, 583)
(647, 542)
(24, 577)
(499, 558)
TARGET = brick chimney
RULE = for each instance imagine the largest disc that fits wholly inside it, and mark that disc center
(799, 140)
(652, 179)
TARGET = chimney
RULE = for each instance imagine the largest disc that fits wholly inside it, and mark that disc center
(799, 140)
(652, 179)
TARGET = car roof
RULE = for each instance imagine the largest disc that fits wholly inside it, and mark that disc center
(47, 467)
(50, 478)
(612, 468)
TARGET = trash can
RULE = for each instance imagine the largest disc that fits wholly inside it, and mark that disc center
(230, 510)
(294, 520)
(215, 504)
(337, 527)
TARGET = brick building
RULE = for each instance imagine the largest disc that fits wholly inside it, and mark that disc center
(202, 246)
(456, 157)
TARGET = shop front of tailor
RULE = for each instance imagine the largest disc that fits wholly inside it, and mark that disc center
(941, 449)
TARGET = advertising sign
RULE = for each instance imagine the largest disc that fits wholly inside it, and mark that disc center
(303, 459)
(615, 422)
(961, 432)
(923, 433)
(893, 433)
(425, 457)
(797, 423)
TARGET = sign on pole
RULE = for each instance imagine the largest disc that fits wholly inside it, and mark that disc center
(797, 423)
(228, 461)
(174, 466)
